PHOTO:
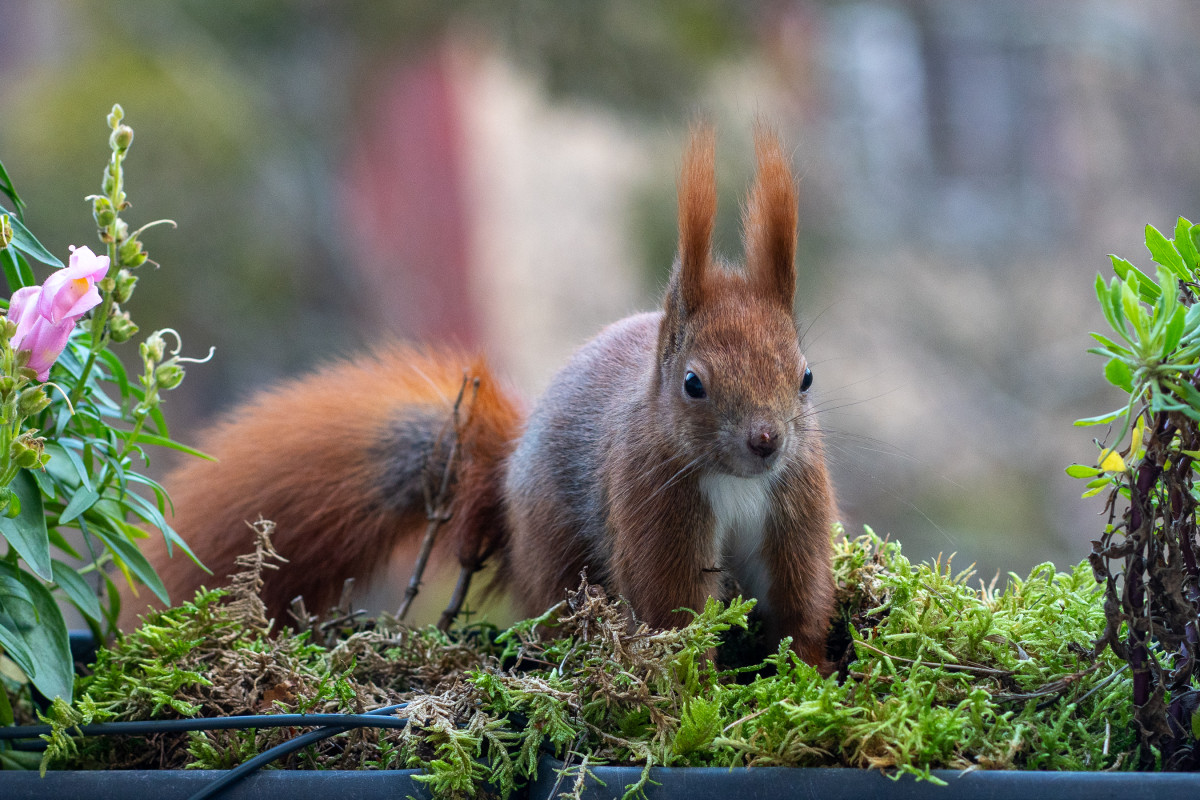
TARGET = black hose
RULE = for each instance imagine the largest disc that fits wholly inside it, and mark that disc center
(151, 726)
(280, 750)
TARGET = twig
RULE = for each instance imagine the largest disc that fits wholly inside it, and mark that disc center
(436, 506)
(457, 598)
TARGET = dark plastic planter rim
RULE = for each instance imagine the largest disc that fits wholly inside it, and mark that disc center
(671, 782)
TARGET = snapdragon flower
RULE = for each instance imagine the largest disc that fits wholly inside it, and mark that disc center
(45, 315)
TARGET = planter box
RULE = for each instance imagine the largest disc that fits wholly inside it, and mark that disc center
(672, 782)
(781, 783)
(181, 784)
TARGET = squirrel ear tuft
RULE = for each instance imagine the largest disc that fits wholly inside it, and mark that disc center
(770, 219)
(697, 211)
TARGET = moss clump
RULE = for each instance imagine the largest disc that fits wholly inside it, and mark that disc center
(936, 674)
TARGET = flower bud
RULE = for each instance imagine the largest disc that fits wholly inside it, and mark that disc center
(122, 137)
(168, 375)
(115, 117)
(129, 250)
(110, 182)
(6, 231)
(121, 327)
(8, 328)
(23, 455)
(122, 230)
(123, 286)
(8, 385)
(102, 211)
(32, 400)
(153, 348)
(10, 504)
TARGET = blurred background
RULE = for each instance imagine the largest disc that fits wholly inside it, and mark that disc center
(502, 174)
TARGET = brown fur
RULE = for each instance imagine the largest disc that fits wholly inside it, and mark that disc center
(610, 472)
(307, 456)
(619, 470)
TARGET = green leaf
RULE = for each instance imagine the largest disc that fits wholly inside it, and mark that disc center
(1174, 331)
(1119, 374)
(80, 470)
(119, 376)
(1113, 347)
(77, 589)
(81, 502)
(128, 553)
(1105, 295)
(6, 716)
(1115, 295)
(1164, 253)
(6, 186)
(12, 589)
(150, 513)
(1080, 471)
(1185, 246)
(171, 444)
(1102, 419)
(35, 636)
(12, 640)
(27, 531)
(25, 241)
(19, 759)
(1188, 393)
(16, 270)
(49, 646)
(1147, 289)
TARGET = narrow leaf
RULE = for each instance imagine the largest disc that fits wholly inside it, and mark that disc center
(171, 444)
(1102, 419)
(81, 502)
(25, 241)
(131, 557)
(10, 191)
(78, 590)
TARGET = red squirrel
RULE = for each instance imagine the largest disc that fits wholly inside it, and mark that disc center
(674, 449)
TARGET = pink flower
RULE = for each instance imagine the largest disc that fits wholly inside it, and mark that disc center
(71, 291)
(45, 340)
(45, 315)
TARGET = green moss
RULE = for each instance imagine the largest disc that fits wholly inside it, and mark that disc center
(938, 674)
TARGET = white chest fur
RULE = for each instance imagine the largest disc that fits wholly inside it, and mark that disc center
(740, 507)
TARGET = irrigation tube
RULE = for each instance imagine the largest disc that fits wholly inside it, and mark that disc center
(327, 725)
(151, 726)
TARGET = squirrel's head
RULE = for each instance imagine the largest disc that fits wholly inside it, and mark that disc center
(731, 374)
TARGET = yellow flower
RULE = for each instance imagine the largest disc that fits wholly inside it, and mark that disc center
(1112, 462)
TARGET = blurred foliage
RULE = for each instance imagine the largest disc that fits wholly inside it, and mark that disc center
(246, 111)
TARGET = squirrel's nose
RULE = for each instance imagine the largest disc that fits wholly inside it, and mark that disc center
(763, 441)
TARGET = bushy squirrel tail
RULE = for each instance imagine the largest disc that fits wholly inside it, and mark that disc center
(349, 463)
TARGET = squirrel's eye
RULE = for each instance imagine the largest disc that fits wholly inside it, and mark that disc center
(806, 381)
(693, 386)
